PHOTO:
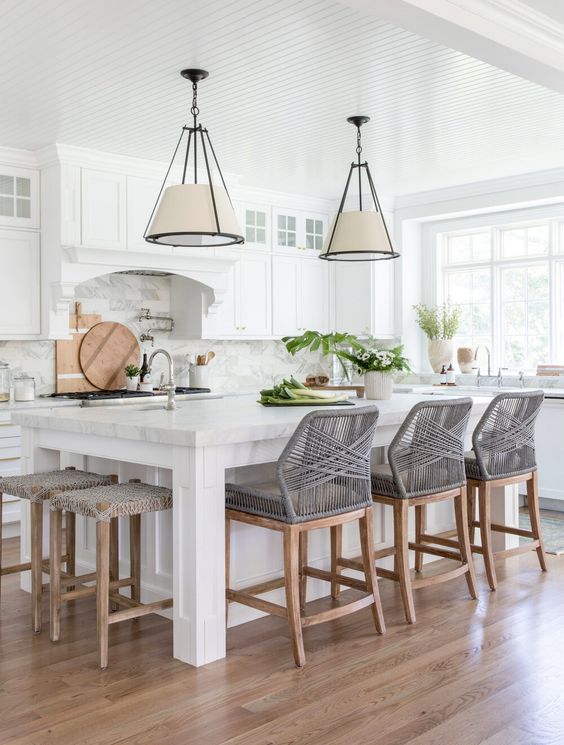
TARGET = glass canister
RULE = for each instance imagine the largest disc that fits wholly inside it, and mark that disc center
(24, 388)
(4, 382)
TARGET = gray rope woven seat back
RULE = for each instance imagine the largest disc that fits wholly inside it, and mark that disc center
(325, 467)
(427, 454)
(504, 439)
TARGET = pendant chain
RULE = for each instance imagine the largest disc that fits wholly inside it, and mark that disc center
(358, 142)
(194, 110)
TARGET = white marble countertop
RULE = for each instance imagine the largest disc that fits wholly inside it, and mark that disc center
(203, 422)
(38, 403)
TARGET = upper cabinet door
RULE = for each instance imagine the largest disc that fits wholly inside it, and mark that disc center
(103, 209)
(254, 298)
(19, 284)
(286, 278)
(142, 194)
(298, 231)
(314, 295)
(255, 222)
(363, 296)
(19, 198)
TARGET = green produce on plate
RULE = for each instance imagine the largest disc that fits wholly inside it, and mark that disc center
(293, 392)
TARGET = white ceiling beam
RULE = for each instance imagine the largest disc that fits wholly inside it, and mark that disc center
(508, 34)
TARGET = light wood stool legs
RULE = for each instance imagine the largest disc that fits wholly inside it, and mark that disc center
(534, 516)
(420, 520)
(296, 573)
(135, 556)
(55, 539)
(484, 507)
(401, 543)
(336, 532)
(36, 509)
(461, 516)
(103, 530)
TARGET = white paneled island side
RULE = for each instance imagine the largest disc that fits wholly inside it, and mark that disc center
(193, 450)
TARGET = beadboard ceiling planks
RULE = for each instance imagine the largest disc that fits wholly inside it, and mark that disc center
(284, 77)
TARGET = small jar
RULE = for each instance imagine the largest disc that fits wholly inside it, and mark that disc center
(24, 388)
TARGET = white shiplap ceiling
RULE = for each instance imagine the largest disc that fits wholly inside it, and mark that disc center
(284, 77)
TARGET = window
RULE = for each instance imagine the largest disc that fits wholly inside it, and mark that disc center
(15, 196)
(255, 226)
(286, 230)
(509, 282)
(314, 234)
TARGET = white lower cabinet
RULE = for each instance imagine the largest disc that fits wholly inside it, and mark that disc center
(300, 295)
(363, 293)
(10, 465)
(548, 441)
(20, 314)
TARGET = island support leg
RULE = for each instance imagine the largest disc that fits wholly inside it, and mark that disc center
(199, 554)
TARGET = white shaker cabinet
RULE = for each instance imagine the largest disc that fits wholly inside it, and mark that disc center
(19, 284)
(300, 295)
(104, 217)
(253, 296)
(363, 293)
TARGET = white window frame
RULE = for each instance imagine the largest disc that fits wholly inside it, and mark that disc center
(433, 287)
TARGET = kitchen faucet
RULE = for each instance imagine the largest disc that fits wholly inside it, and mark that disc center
(489, 357)
(170, 387)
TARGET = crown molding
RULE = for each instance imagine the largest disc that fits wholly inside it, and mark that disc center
(16, 158)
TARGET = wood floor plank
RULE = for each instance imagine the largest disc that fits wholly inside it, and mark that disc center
(468, 673)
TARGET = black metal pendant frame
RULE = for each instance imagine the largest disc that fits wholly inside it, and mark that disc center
(195, 132)
(376, 254)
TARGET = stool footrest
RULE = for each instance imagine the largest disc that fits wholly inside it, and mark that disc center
(85, 592)
(342, 579)
(426, 549)
(142, 609)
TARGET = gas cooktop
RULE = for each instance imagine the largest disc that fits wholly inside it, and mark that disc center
(121, 394)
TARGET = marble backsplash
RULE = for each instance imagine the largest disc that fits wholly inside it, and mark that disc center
(238, 366)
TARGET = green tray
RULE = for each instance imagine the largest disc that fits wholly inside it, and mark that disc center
(306, 403)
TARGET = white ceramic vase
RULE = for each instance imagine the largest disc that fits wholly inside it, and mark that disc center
(440, 353)
(132, 383)
(378, 386)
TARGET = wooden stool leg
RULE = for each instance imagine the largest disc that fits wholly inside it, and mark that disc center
(534, 516)
(461, 514)
(56, 540)
(401, 539)
(135, 556)
(36, 510)
(484, 506)
(102, 590)
(227, 564)
(336, 553)
(366, 528)
(114, 555)
(303, 563)
(70, 545)
(292, 582)
(471, 508)
(420, 515)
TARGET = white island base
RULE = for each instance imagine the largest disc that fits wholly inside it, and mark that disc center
(193, 450)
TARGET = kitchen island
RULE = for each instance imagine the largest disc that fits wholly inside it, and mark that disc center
(192, 450)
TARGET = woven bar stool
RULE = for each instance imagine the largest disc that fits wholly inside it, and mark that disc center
(36, 487)
(426, 465)
(503, 453)
(106, 504)
(323, 480)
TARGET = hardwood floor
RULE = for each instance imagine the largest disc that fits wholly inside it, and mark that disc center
(469, 672)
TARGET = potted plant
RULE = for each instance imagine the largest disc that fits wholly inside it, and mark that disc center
(132, 373)
(378, 367)
(339, 344)
(439, 323)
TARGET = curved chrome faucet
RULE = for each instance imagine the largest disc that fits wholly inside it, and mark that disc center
(489, 357)
(170, 387)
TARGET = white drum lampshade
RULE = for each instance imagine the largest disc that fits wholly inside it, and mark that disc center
(185, 216)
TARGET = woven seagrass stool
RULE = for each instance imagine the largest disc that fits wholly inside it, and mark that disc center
(323, 480)
(426, 465)
(37, 487)
(106, 504)
(503, 453)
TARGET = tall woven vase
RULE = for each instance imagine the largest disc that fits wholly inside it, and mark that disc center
(378, 386)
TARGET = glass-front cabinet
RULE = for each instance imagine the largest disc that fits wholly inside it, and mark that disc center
(298, 230)
(255, 223)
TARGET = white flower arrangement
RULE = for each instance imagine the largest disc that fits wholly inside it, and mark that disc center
(379, 360)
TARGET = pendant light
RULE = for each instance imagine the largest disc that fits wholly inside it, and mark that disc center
(194, 214)
(359, 235)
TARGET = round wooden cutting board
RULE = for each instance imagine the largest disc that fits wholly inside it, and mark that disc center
(104, 353)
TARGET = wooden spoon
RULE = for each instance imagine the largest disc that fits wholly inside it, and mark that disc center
(210, 357)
